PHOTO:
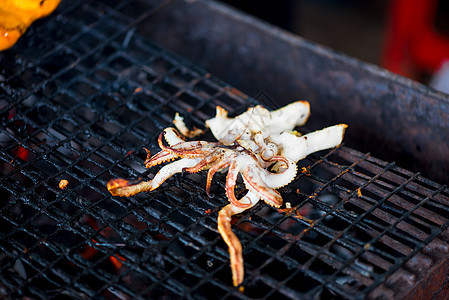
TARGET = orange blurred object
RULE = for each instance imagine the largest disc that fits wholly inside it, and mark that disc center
(63, 184)
(117, 262)
(17, 15)
(20, 152)
(413, 44)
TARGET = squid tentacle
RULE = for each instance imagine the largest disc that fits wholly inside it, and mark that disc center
(204, 163)
(231, 178)
(194, 148)
(122, 187)
(234, 245)
(213, 169)
(159, 158)
(259, 188)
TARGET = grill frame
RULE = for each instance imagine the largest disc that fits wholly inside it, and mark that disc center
(35, 119)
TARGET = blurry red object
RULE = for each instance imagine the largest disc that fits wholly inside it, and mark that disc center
(21, 153)
(413, 44)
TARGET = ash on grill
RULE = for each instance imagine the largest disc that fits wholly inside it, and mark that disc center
(83, 94)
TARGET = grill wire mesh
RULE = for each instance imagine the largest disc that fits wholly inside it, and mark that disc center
(81, 96)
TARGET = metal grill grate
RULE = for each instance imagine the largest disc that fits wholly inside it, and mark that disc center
(83, 93)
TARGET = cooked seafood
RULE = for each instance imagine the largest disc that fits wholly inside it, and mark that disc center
(257, 120)
(259, 145)
(201, 155)
(178, 121)
(269, 134)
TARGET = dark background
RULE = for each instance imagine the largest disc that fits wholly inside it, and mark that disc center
(353, 27)
(356, 28)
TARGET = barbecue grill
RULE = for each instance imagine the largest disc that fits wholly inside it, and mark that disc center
(85, 90)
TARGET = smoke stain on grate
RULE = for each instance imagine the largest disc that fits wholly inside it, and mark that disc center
(356, 226)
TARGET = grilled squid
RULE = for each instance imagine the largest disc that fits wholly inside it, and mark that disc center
(258, 145)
